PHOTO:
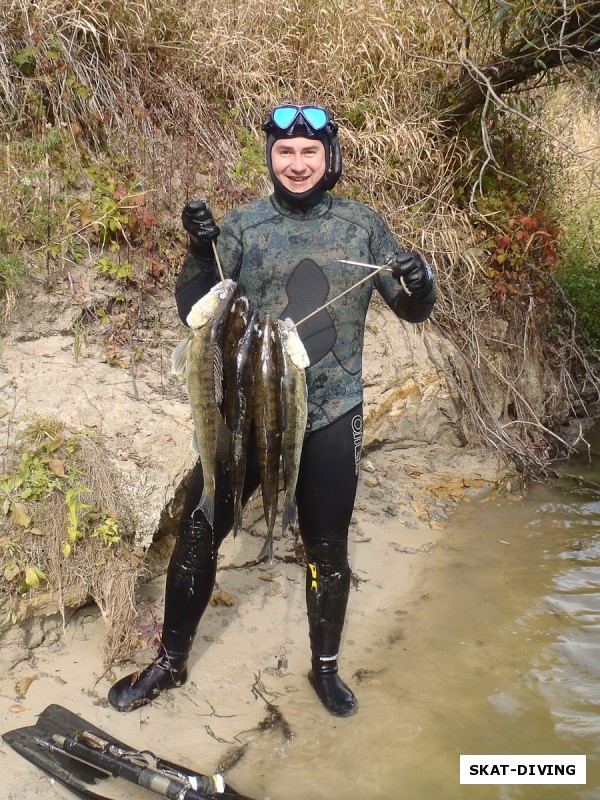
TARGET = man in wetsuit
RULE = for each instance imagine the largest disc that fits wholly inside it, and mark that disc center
(285, 251)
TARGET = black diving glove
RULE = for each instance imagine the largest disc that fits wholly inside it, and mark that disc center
(412, 273)
(199, 222)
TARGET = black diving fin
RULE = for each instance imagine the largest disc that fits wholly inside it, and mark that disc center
(82, 757)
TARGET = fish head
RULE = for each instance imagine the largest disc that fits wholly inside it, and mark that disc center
(236, 325)
(204, 309)
(227, 297)
(293, 344)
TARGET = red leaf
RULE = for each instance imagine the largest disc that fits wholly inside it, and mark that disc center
(530, 224)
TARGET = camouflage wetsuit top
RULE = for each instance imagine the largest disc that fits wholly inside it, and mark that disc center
(286, 262)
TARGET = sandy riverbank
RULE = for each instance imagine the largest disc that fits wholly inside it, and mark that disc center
(253, 645)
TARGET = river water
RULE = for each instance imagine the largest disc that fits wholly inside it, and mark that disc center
(500, 654)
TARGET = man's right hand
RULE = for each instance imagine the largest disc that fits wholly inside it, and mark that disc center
(198, 221)
(412, 273)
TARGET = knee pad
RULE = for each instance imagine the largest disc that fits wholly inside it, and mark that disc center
(331, 556)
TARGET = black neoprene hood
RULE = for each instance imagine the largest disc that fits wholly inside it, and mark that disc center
(333, 159)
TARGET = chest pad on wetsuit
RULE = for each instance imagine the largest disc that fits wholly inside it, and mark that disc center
(307, 289)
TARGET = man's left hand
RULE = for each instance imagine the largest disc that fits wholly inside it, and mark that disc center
(412, 273)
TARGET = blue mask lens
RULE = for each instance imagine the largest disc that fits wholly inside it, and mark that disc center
(284, 116)
(316, 117)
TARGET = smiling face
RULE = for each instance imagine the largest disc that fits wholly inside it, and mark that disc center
(298, 163)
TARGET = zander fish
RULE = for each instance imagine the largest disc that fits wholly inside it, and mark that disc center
(267, 423)
(238, 397)
(294, 412)
(235, 329)
(204, 364)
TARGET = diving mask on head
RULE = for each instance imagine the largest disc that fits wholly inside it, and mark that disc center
(286, 119)
(310, 122)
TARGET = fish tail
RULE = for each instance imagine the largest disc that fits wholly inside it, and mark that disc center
(237, 516)
(267, 548)
(289, 514)
(207, 506)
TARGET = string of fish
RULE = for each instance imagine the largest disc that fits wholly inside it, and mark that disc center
(244, 369)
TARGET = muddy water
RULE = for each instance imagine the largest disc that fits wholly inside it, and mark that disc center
(499, 655)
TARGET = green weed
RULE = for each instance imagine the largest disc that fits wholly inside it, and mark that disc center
(251, 162)
(12, 270)
(116, 269)
(579, 274)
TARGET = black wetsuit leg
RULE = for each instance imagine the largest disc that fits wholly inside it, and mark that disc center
(325, 496)
(328, 478)
(190, 582)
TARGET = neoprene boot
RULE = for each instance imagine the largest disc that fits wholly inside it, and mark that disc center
(326, 601)
(167, 671)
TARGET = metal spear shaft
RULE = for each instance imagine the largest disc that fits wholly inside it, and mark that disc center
(362, 264)
(350, 289)
(153, 779)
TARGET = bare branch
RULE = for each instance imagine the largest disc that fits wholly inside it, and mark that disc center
(571, 36)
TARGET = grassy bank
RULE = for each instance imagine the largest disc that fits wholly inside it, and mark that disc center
(115, 114)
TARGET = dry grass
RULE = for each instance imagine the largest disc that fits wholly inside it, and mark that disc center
(95, 570)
